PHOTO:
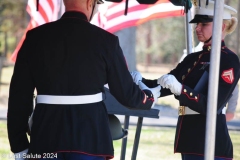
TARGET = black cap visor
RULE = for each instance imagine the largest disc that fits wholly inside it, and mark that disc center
(201, 19)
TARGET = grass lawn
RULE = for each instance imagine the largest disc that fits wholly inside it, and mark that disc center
(156, 143)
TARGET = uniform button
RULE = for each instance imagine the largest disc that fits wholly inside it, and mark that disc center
(183, 77)
(195, 63)
(185, 90)
(200, 56)
(195, 97)
(191, 94)
(195, 3)
(189, 69)
(209, 48)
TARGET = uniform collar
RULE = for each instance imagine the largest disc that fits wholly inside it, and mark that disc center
(208, 47)
(74, 14)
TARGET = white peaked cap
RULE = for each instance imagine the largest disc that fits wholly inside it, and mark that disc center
(209, 9)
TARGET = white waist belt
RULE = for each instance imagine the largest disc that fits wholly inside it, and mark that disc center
(184, 110)
(83, 99)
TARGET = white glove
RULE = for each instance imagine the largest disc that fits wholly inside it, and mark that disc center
(155, 91)
(136, 76)
(20, 155)
(169, 81)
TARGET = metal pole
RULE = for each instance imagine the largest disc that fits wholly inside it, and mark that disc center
(188, 32)
(137, 138)
(124, 140)
(213, 83)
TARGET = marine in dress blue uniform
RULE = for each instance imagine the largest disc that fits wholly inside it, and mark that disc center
(182, 81)
(68, 62)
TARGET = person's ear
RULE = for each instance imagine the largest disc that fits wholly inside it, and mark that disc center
(89, 4)
(223, 26)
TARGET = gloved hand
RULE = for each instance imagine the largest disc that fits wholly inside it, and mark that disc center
(136, 76)
(155, 91)
(169, 81)
(21, 155)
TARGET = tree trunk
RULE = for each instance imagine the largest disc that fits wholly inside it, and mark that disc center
(6, 44)
(127, 38)
(227, 2)
(149, 43)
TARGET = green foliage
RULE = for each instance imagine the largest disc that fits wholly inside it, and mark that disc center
(231, 39)
(163, 38)
(13, 15)
(2, 43)
(13, 22)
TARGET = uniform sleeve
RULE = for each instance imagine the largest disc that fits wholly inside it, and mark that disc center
(175, 72)
(228, 78)
(121, 84)
(232, 103)
(20, 104)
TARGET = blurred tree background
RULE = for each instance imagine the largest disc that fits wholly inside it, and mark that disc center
(13, 22)
(160, 41)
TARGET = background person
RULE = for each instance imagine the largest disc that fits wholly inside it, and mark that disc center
(68, 62)
(182, 82)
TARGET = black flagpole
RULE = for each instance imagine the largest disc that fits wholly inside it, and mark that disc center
(37, 4)
(207, 1)
(126, 8)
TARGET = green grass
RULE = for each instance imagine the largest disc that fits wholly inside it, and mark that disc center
(5, 153)
(156, 143)
(7, 74)
(235, 136)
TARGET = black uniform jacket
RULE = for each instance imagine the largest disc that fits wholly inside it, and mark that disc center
(68, 57)
(190, 133)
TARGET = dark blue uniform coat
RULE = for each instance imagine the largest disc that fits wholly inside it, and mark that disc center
(190, 133)
(68, 57)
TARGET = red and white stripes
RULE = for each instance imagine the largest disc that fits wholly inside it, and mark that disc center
(111, 15)
(47, 11)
